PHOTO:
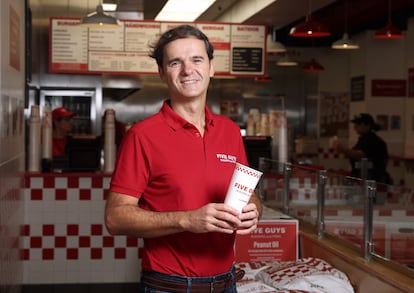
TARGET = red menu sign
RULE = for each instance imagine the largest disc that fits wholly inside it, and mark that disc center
(389, 88)
(273, 240)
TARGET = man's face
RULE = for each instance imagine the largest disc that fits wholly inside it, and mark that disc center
(361, 128)
(186, 69)
(65, 124)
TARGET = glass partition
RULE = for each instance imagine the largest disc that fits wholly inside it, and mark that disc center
(376, 218)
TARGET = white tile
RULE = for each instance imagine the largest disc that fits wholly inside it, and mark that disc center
(85, 183)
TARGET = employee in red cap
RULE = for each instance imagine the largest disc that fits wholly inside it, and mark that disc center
(62, 126)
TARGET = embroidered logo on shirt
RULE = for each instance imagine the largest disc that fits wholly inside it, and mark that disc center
(226, 158)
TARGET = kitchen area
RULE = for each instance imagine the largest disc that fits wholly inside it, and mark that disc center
(53, 212)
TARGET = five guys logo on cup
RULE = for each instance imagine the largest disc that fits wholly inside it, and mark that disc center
(242, 184)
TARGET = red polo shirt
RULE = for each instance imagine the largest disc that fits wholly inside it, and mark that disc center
(169, 166)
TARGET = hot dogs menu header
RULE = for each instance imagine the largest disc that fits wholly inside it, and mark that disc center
(239, 49)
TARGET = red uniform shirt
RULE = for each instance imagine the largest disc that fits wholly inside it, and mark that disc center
(59, 147)
(169, 166)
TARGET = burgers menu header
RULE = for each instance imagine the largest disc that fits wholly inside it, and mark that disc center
(239, 49)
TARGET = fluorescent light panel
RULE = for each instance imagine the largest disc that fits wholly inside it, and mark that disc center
(183, 10)
(109, 6)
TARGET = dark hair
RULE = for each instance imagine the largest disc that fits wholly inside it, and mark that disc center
(179, 32)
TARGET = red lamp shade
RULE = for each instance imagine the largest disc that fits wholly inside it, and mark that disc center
(309, 29)
(312, 66)
(389, 32)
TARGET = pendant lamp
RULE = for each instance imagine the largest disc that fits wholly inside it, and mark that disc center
(345, 43)
(389, 31)
(309, 28)
(99, 19)
(312, 66)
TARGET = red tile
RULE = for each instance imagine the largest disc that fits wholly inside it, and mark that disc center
(73, 182)
(25, 254)
(105, 194)
(36, 194)
(72, 253)
(25, 230)
(48, 254)
(84, 241)
(96, 253)
(120, 253)
(27, 182)
(48, 230)
(60, 241)
(72, 230)
(96, 229)
(61, 194)
(108, 241)
(131, 242)
(85, 194)
(385, 213)
(35, 242)
(97, 182)
(48, 182)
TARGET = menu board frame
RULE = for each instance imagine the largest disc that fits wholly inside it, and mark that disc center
(239, 49)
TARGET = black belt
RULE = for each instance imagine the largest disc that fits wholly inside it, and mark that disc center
(181, 287)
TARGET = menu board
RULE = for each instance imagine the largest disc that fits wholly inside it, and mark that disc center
(238, 49)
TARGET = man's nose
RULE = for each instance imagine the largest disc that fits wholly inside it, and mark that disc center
(188, 67)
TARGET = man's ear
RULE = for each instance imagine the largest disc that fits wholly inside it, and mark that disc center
(212, 69)
(161, 73)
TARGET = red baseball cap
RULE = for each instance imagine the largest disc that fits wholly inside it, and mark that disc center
(61, 112)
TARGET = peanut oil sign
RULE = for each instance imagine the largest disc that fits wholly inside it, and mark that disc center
(273, 240)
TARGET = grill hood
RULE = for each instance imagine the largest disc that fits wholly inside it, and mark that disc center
(119, 87)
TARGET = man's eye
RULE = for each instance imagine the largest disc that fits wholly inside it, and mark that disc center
(174, 64)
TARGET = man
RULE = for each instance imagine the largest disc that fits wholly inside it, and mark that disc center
(62, 126)
(370, 146)
(172, 174)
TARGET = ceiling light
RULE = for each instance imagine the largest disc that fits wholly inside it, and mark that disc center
(309, 29)
(109, 6)
(312, 66)
(273, 46)
(183, 10)
(345, 43)
(389, 32)
(99, 19)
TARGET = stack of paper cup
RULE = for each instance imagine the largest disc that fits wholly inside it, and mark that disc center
(242, 185)
(34, 139)
(109, 143)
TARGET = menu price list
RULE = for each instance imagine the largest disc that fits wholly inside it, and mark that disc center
(125, 49)
(247, 59)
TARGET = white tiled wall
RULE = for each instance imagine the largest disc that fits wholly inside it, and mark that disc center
(12, 78)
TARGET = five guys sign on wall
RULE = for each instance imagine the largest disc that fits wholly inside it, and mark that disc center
(239, 49)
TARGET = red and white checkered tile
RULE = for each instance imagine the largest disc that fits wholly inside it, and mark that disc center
(64, 238)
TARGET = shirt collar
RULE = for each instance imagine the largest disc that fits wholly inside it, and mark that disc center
(176, 122)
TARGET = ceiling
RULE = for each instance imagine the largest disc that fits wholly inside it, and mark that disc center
(355, 15)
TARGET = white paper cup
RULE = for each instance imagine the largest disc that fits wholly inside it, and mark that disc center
(242, 185)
